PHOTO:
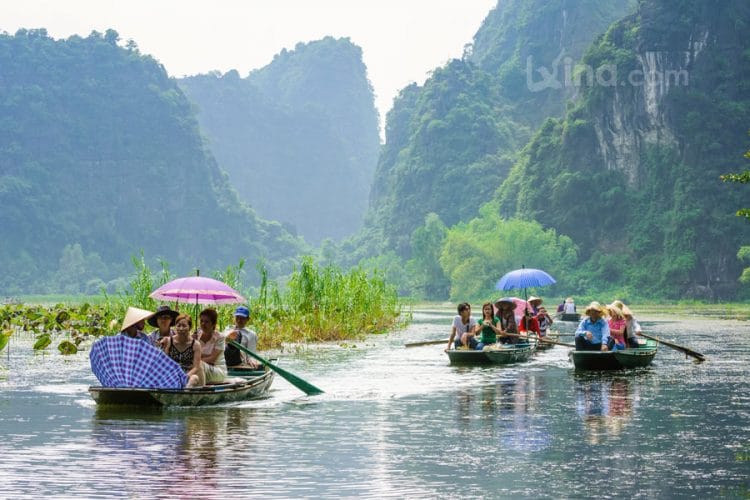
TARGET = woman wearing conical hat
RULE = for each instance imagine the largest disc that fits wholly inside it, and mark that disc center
(134, 323)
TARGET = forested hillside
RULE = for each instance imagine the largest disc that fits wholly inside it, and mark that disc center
(299, 137)
(101, 157)
(618, 189)
(632, 171)
(451, 142)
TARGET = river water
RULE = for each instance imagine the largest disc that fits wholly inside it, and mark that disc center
(397, 422)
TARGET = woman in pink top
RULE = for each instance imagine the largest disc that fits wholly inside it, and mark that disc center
(212, 347)
(616, 328)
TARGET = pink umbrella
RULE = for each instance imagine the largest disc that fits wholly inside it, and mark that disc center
(197, 290)
(521, 305)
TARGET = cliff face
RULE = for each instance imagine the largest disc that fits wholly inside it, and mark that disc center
(663, 110)
(531, 46)
(451, 142)
(298, 138)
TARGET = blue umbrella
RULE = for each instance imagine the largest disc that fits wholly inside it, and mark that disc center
(524, 278)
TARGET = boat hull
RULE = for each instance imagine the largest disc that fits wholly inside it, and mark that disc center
(503, 356)
(570, 317)
(252, 387)
(614, 360)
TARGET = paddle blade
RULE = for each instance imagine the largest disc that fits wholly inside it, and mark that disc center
(293, 379)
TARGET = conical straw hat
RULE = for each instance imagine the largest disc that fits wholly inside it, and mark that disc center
(133, 316)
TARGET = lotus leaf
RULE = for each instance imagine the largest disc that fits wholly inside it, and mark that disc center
(42, 342)
(4, 338)
(67, 347)
(62, 317)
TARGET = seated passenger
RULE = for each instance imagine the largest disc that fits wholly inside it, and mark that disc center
(593, 331)
(185, 350)
(134, 323)
(212, 347)
(529, 323)
(545, 321)
(462, 329)
(632, 328)
(616, 328)
(535, 303)
(163, 320)
(506, 313)
(570, 306)
(488, 327)
(247, 338)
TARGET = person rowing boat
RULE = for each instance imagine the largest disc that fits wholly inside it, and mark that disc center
(592, 333)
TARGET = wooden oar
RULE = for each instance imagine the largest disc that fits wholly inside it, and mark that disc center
(542, 339)
(426, 342)
(293, 379)
(676, 347)
(550, 341)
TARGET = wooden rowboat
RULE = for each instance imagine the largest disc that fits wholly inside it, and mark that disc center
(570, 317)
(249, 385)
(614, 360)
(498, 354)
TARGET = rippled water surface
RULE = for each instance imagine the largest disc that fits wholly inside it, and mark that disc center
(398, 422)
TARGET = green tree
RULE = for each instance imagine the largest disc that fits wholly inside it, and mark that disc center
(426, 277)
(744, 253)
(744, 256)
(477, 253)
(741, 178)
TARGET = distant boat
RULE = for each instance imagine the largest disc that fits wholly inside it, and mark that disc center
(250, 385)
(614, 360)
(569, 317)
(499, 354)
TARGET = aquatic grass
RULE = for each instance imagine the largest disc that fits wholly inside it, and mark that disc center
(316, 304)
(321, 304)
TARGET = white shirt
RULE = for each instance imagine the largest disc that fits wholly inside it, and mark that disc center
(249, 341)
(460, 327)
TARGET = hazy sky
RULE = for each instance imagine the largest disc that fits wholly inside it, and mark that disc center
(401, 40)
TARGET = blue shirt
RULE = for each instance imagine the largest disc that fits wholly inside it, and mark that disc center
(600, 330)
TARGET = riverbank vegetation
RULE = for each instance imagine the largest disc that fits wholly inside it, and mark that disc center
(316, 304)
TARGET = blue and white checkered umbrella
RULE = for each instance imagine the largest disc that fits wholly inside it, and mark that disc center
(120, 361)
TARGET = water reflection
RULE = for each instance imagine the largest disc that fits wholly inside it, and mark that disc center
(508, 409)
(605, 406)
(186, 445)
(400, 423)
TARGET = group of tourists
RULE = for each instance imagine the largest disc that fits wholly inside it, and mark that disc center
(604, 327)
(203, 353)
(607, 328)
(498, 324)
